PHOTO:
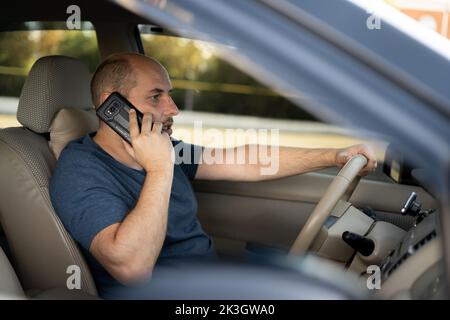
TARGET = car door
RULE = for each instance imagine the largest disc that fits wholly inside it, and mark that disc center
(271, 213)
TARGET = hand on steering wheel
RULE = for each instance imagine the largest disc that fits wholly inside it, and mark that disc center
(341, 187)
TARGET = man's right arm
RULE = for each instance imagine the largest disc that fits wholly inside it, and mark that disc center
(128, 250)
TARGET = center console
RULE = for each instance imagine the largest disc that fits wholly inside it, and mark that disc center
(407, 262)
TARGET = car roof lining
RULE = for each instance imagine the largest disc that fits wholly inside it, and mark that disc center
(46, 10)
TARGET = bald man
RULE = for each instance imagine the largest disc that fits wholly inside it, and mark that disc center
(129, 206)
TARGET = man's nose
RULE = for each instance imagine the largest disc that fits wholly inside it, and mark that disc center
(171, 108)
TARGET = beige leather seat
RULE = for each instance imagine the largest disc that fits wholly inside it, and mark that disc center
(54, 108)
(11, 289)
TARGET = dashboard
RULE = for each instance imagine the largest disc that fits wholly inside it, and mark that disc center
(416, 238)
(414, 269)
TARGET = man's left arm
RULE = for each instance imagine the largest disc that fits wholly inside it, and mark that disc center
(251, 163)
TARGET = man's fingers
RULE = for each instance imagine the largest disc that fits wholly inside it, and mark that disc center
(373, 164)
(371, 159)
(147, 122)
(134, 128)
(346, 154)
(157, 127)
(165, 134)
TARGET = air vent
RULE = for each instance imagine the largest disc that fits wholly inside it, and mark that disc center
(413, 249)
(422, 242)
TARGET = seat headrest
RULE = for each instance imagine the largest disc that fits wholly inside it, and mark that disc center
(54, 82)
(69, 124)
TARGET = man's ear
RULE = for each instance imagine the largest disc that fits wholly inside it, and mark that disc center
(104, 96)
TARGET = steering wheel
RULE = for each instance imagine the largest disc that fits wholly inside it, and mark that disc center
(341, 187)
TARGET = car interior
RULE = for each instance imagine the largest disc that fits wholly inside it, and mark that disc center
(389, 220)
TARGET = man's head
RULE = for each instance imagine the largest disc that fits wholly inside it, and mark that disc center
(142, 80)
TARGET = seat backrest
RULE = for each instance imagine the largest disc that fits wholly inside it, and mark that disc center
(10, 287)
(54, 108)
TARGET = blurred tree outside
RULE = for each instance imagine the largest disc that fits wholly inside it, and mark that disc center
(198, 63)
(202, 81)
(16, 51)
(20, 49)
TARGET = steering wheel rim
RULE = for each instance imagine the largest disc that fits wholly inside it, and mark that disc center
(341, 187)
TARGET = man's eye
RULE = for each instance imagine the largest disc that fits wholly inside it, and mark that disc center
(155, 97)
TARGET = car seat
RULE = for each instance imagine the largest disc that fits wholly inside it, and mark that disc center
(54, 108)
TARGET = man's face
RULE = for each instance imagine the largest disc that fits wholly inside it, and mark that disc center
(152, 93)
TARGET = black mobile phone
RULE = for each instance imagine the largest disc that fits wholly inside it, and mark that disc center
(114, 112)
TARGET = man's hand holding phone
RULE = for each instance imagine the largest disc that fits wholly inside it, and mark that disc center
(151, 148)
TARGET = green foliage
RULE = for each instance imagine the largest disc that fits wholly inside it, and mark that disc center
(20, 49)
(81, 46)
(15, 51)
(184, 59)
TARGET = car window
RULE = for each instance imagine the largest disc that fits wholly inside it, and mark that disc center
(21, 47)
(216, 98)
(203, 82)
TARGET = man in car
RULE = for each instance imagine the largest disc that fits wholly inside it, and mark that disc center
(129, 206)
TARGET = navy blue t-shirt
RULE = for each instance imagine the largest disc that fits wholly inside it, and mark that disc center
(90, 191)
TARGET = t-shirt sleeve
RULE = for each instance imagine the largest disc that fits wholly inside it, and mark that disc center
(188, 156)
(85, 204)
